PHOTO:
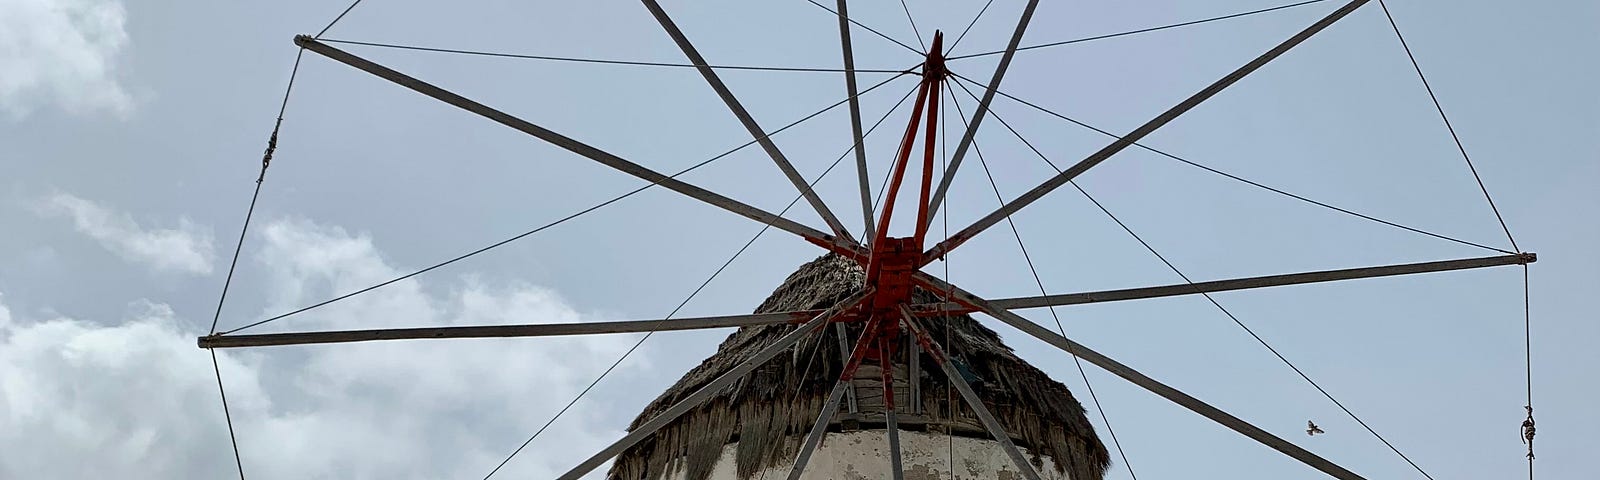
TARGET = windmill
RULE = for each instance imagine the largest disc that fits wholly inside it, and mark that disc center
(892, 334)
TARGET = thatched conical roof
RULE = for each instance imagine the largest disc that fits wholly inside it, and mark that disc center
(769, 411)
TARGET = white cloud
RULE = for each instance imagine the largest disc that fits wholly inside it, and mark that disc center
(187, 248)
(137, 400)
(62, 52)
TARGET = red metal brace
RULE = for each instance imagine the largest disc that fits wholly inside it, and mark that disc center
(893, 261)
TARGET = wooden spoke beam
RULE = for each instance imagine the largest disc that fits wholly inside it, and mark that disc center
(891, 418)
(544, 330)
(1137, 134)
(819, 428)
(914, 376)
(982, 110)
(699, 396)
(831, 242)
(892, 428)
(855, 126)
(1235, 284)
(999, 433)
(502, 331)
(844, 358)
(1131, 375)
(750, 121)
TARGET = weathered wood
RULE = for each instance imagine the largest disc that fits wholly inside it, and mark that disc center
(844, 357)
(748, 120)
(1117, 368)
(501, 331)
(832, 242)
(868, 385)
(727, 378)
(892, 429)
(1243, 283)
(1137, 134)
(914, 375)
(891, 424)
(855, 124)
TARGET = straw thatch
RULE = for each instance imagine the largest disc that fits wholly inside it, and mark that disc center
(769, 411)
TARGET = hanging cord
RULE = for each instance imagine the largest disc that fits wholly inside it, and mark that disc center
(949, 385)
(1527, 328)
(1527, 344)
(1060, 328)
(1214, 301)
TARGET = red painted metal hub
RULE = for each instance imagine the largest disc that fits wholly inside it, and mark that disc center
(896, 259)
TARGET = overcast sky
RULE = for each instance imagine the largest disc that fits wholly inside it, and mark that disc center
(131, 134)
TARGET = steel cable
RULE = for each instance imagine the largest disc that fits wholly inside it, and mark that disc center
(338, 18)
(601, 61)
(869, 29)
(1214, 302)
(1448, 125)
(1040, 282)
(547, 225)
(1142, 30)
(964, 31)
(691, 296)
(1527, 318)
(266, 161)
(1232, 176)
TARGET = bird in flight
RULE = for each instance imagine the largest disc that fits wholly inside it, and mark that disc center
(1312, 428)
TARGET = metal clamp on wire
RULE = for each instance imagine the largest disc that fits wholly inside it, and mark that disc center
(272, 146)
(1528, 431)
